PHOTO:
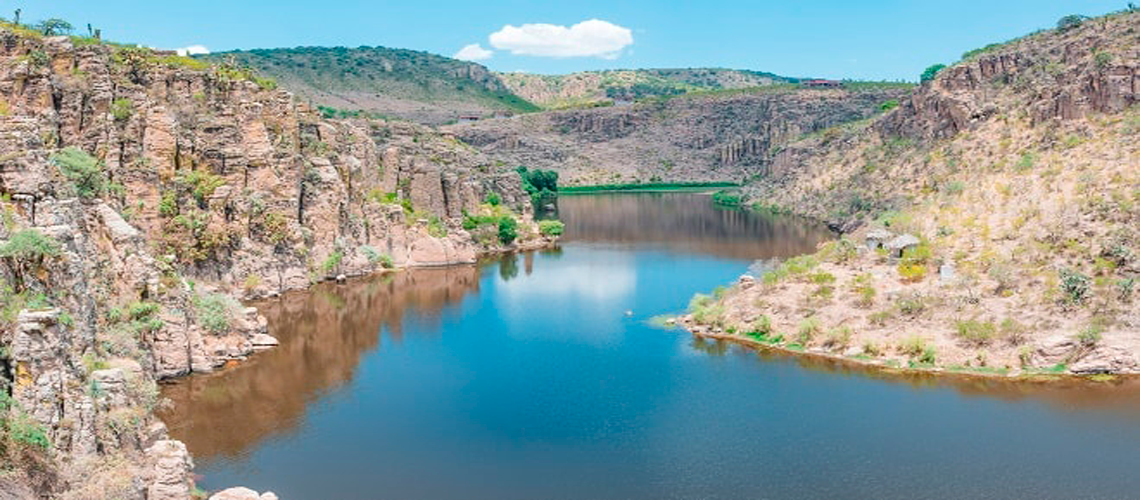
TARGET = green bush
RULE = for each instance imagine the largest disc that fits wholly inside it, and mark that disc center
(551, 227)
(493, 199)
(1070, 21)
(30, 246)
(122, 109)
(1074, 286)
(436, 228)
(215, 312)
(727, 198)
(976, 332)
(889, 105)
(508, 230)
(930, 72)
(83, 170)
(332, 262)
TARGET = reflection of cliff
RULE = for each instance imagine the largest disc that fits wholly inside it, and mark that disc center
(1120, 397)
(684, 222)
(323, 336)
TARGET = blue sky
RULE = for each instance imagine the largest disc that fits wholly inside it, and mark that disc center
(885, 39)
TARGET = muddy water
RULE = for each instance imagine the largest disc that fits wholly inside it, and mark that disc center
(539, 376)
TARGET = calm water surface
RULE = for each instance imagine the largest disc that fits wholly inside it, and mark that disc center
(538, 376)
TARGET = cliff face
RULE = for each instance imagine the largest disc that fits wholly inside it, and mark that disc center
(691, 138)
(554, 91)
(992, 217)
(142, 191)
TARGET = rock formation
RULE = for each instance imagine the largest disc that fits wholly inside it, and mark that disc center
(142, 193)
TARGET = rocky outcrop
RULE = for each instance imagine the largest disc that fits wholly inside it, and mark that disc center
(153, 191)
(1060, 76)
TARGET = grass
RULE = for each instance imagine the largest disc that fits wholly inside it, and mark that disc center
(646, 186)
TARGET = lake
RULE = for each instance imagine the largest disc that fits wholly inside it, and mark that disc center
(542, 376)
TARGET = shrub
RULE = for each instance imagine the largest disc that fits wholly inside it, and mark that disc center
(1070, 21)
(1074, 286)
(870, 348)
(215, 312)
(551, 227)
(508, 230)
(918, 349)
(1013, 331)
(706, 309)
(493, 199)
(809, 328)
(889, 105)
(83, 170)
(879, 318)
(332, 262)
(976, 332)
(910, 271)
(29, 245)
(838, 338)
(822, 278)
(727, 199)
(201, 183)
(122, 109)
(1090, 335)
(911, 304)
(436, 228)
(762, 328)
(930, 72)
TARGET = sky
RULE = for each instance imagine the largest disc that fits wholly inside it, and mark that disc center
(858, 39)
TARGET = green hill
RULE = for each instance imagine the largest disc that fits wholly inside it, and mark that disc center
(401, 83)
(598, 87)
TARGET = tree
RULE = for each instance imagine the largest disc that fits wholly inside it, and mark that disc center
(56, 26)
(1070, 21)
(508, 230)
(930, 72)
(18, 17)
(25, 252)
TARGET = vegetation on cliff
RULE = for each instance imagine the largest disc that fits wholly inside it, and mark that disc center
(991, 215)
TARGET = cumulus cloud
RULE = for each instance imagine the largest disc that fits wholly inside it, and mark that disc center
(473, 52)
(592, 38)
(192, 50)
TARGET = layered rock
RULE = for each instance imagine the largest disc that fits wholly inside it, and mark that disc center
(688, 138)
(187, 186)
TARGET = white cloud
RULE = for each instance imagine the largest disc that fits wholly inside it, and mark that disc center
(193, 50)
(592, 38)
(473, 52)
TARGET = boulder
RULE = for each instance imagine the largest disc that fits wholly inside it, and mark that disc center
(897, 245)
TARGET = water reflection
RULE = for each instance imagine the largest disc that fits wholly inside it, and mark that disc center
(684, 222)
(1119, 397)
(324, 334)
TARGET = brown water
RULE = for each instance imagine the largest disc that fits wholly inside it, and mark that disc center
(538, 376)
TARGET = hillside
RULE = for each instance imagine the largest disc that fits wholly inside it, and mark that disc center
(600, 87)
(407, 84)
(713, 136)
(142, 194)
(992, 219)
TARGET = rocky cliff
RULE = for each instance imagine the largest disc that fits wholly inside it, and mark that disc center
(725, 136)
(992, 218)
(142, 193)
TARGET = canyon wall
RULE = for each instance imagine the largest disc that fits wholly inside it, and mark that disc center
(142, 193)
(718, 137)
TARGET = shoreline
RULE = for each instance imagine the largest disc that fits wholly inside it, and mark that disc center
(882, 365)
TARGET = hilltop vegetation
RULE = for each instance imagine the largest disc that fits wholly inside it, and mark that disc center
(409, 84)
(594, 88)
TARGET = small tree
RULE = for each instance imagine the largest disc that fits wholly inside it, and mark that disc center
(508, 230)
(1070, 21)
(55, 26)
(82, 169)
(25, 251)
(931, 71)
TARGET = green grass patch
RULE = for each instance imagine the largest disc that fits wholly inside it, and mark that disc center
(645, 186)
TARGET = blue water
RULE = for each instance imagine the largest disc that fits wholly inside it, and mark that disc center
(540, 376)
